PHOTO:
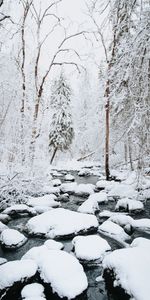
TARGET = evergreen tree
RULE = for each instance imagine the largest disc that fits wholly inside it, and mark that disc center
(61, 128)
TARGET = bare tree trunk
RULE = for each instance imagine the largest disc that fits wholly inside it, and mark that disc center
(130, 153)
(53, 156)
(125, 153)
(107, 110)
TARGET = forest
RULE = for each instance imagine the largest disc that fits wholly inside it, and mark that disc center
(74, 149)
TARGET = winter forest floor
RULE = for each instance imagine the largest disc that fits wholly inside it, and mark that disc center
(105, 217)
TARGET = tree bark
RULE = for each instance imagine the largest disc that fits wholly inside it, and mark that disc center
(53, 156)
(107, 111)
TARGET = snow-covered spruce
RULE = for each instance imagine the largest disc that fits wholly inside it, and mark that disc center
(69, 177)
(16, 271)
(129, 205)
(19, 209)
(11, 238)
(61, 128)
(61, 222)
(113, 230)
(60, 270)
(89, 248)
(130, 269)
(53, 245)
(33, 290)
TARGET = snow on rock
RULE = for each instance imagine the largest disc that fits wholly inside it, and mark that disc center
(107, 185)
(100, 197)
(69, 177)
(53, 245)
(63, 198)
(123, 190)
(61, 222)
(121, 219)
(113, 230)
(56, 182)
(131, 268)
(32, 290)
(19, 209)
(90, 247)
(51, 190)
(142, 224)
(2, 227)
(15, 271)
(41, 209)
(2, 260)
(84, 189)
(129, 205)
(106, 214)
(68, 187)
(46, 200)
(140, 242)
(84, 173)
(61, 270)
(11, 238)
(55, 173)
(4, 218)
(89, 207)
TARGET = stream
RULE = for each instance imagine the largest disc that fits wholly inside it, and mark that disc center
(96, 290)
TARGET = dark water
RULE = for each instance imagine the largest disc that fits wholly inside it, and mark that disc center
(96, 290)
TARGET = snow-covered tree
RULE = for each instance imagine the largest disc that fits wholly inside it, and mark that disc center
(61, 128)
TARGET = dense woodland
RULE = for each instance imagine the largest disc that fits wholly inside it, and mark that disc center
(75, 91)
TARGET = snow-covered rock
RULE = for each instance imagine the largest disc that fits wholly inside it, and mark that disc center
(84, 173)
(100, 197)
(63, 198)
(11, 238)
(19, 209)
(121, 219)
(129, 205)
(106, 214)
(101, 184)
(142, 224)
(84, 190)
(51, 190)
(68, 188)
(32, 290)
(61, 222)
(140, 242)
(61, 270)
(69, 177)
(90, 247)
(53, 245)
(15, 271)
(113, 230)
(55, 173)
(2, 260)
(131, 268)
(123, 190)
(2, 226)
(4, 218)
(56, 182)
(88, 207)
(47, 200)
